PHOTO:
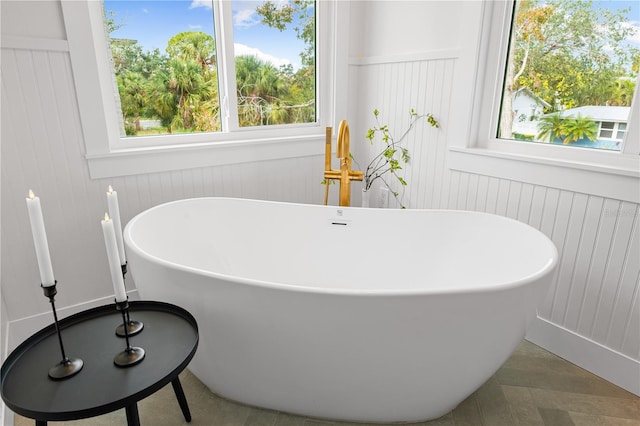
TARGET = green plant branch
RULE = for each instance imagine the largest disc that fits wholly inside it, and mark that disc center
(386, 161)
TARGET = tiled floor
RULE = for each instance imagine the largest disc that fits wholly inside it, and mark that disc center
(534, 387)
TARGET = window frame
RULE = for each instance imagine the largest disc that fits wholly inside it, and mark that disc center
(109, 154)
(476, 149)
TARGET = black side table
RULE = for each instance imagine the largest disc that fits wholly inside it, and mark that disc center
(170, 339)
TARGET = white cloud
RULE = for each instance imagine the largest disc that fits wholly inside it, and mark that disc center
(242, 49)
(201, 3)
(195, 27)
(245, 18)
(145, 10)
(635, 38)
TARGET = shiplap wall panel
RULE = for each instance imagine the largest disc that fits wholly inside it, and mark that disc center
(597, 267)
(595, 289)
(618, 257)
(567, 269)
(577, 286)
(558, 214)
(628, 288)
(526, 197)
(631, 343)
(43, 150)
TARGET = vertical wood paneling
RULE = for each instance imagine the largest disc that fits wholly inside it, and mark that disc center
(537, 207)
(618, 259)
(502, 199)
(567, 269)
(595, 291)
(472, 194)
(597, 267)
(628, 287)
(560, 210)
(43, 149)
(513, 199)
(526, 196)
(483, 192)
(492, 195)
(631, 342)
(588, 235)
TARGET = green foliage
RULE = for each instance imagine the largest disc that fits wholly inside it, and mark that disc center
(282, 14)
(550, 127)
(564, 51)
(392, 156)
(570, 54)
(568, 130)
(180, 86)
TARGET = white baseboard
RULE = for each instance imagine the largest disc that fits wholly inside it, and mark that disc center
(600, 360)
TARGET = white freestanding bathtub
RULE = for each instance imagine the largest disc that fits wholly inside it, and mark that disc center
(377, 315)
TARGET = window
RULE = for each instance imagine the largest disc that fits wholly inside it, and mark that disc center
(606, 130)
(620, 132)
(233, 119)
(166, 64)
(578, 62)
(489, 147)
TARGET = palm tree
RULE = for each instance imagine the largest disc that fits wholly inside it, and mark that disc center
(551, 127)
(184, 93)
(132, 99)
(194, 45)
(261, 88)
(162, 101)
(580, 128)
(623, 89)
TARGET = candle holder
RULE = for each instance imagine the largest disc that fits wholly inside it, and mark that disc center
(68, 366)
(132, 355)
(133, 326)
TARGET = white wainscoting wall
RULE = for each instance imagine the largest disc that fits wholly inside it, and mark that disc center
(43, 150)
(591, 314)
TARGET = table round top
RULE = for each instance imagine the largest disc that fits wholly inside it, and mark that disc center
(169, 338)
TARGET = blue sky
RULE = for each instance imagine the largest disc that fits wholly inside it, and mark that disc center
(153, 23)
(633, 16)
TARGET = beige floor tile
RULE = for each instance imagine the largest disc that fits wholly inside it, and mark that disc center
(284, 419)
(523, 409)
(587, 404)
(467, 413)
(554, 381)
(493, 405)
(260, 417)
(533, 388)
(582, 419)
(555, 417)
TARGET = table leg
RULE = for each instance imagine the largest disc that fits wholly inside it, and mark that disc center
(41, 423)
(182, 400)
(133, 418)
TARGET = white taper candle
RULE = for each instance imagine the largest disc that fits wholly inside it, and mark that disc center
(40, 240)
(114, 213)
(114, 259)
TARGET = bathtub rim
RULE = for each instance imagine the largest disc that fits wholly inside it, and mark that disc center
(500, 286)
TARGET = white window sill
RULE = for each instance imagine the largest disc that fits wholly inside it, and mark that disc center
(618, 178)
(124, 162)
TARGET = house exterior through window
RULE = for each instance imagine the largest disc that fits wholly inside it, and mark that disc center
(574, 65)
